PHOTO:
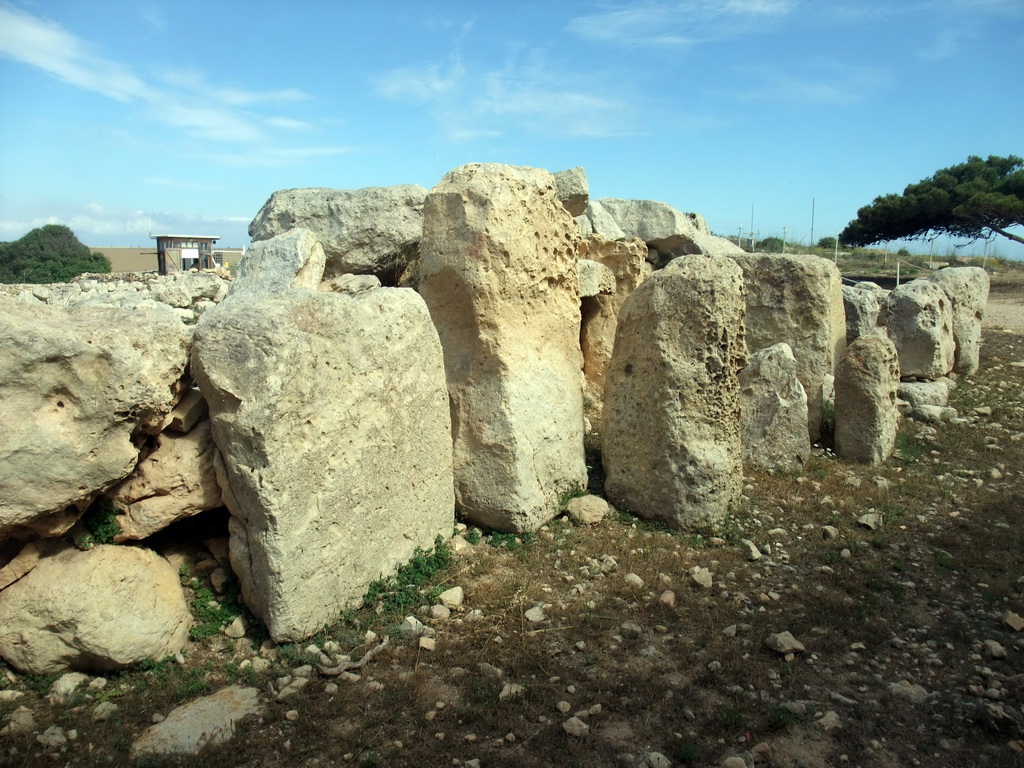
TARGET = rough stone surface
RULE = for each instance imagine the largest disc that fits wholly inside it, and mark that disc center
(292, 260)
(176, 480)
(967, 289)
(863, 304)
(365, 231)
(797, 300)
(919, 320)
(923, 397)
(627, 260)
(773, 410)
(866, 415)
(67, 429)
(671, 413)
(667, 231)
(95, 611)
(331, 414)
(499, 275)
(587, 510)
(573, 190)
(595, 279)
(200, 723)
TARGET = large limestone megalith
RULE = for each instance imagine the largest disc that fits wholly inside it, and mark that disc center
(627, 259)
(866, 415)
(967, 289)
(362, 231)
(773, 410)
(919, 320)
(331, 414)
(671, 435)
(797, 300)
(98, 611)
(499, 275)
(79, 388)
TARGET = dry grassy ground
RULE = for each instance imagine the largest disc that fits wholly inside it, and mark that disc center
(920, 599)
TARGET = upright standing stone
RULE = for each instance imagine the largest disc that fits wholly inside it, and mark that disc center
(331, 414)
(967, 289)
(773, 410)
(671, 411)
(499, 275)
(863, 304)
(797, 300)
(627, 259)
(919, 320)
(867, 419)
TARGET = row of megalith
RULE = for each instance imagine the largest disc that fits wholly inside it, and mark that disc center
(350, 420)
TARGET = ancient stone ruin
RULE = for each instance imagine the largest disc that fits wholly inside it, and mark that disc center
(339, 422)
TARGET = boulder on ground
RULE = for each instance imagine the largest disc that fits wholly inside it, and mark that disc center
(862, 303)
(627, 261)
(668, 232)
(671, 446)
(919, 320)
(293, 260)
(94, 611)
(364, 231)
(331, 414)
(773, 410)
(499, 274)
(78, 387)
(797, 300)
(967, 289)
(176, 480)
(866, 415)
(922, 397)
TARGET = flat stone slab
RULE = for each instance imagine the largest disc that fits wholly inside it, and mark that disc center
(208, 720)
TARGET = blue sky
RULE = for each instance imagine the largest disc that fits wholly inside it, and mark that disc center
(191, 114)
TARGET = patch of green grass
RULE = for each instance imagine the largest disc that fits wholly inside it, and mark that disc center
(40, 684)
(212, 612)
(101, 521)
(573, 492)
(908, 449)
(406, 589)
(473, 536)
(513, 542)
(686, 753)
(943, 559)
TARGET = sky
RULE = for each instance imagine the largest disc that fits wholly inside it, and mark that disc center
(123, 119)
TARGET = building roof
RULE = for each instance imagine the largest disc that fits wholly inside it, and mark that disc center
(187, 237)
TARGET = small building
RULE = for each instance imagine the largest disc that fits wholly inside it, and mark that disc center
(128, 259)
(180, 253)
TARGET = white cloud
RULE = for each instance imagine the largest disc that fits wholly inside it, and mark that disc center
(834, 85)
(182, 99)
(680, 23)
(529, 93)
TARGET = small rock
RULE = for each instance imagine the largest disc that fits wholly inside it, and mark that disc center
(904, 689)
(52, 737)
(994, 650)
(702, 577)
(784, 642)
(633, 581)
(829, 721)
(510, 690)
(564, 707)
(829, 532)
(668, 598)
(440, 612)
(65, 686)
(236, 628)
(630, 631)
(452, 598)
(753, 553)
(872, 520)
(734, 762)
(104, 711)
(655, 760)
(575, 727)
(427, 644)
(587, 510)
(535, 615)
(1013, 621)
(411, 627)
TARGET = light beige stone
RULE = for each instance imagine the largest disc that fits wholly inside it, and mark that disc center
(967, 290)
(76, 386)
(863, 304)
(587, 510)
(96, 611)
(773, 410)
(331, 415)
(206, 721)
(797, 300)
(919, 320)
(499, 274)
(176, 480)
(671, 443)
(867, 418)
(364, 231)
(627, 260)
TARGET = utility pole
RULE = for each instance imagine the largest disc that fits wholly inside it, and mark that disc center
(751, 226)
(739, 235)
(836, 259)
(784, 239)
(813, 244)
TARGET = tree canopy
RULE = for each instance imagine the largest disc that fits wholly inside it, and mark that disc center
(49, 254)
(972, 200)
